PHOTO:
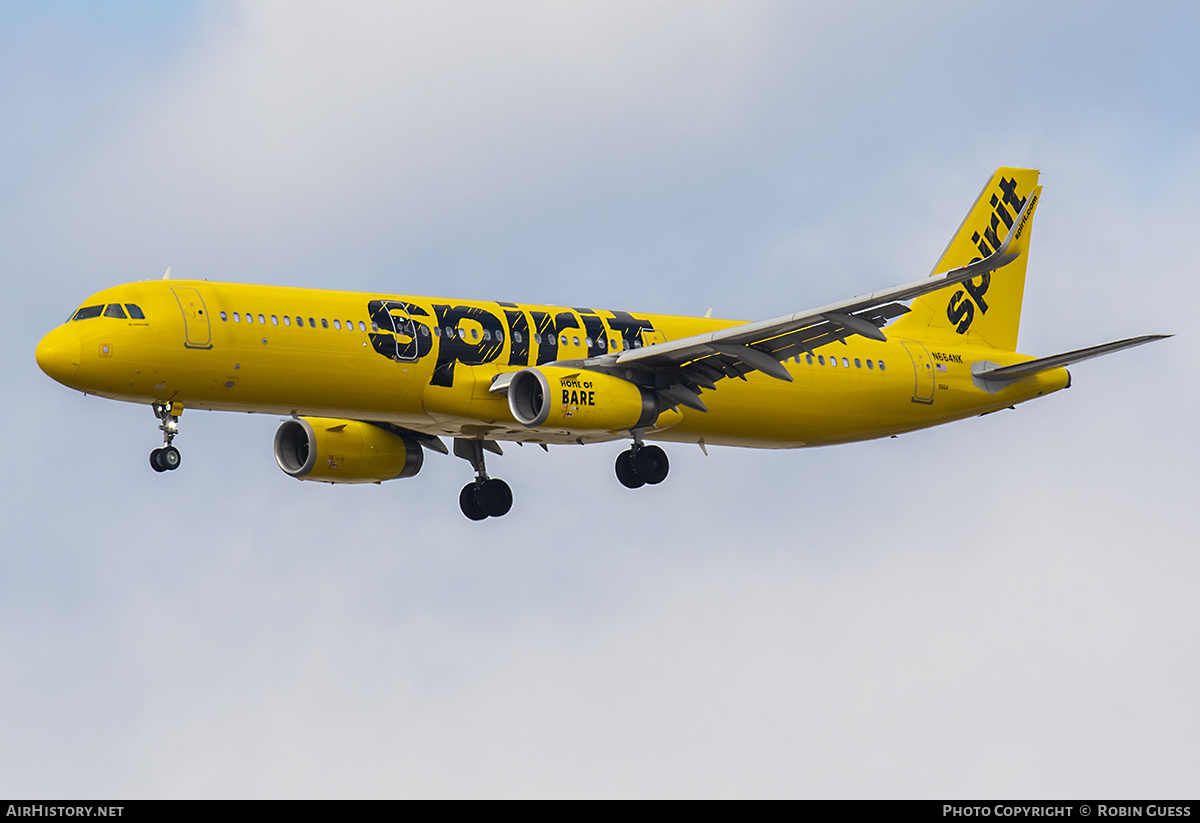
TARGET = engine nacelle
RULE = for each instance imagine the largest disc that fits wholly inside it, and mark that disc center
(574, 399)
(344, 451)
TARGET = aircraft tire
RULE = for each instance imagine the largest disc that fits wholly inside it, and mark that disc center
(468, 501)
(155, 461)
(651, 464)
(625, 471)
(170, 458)
(495, 497)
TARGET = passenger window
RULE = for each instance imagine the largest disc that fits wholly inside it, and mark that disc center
(575, 341)
(424, 330)
(857, 363)
(237, 318)
(299, 321)
(312, 323)
(114, 310)
(517, 337)
(249, 317)
(808, 359)
(362, 326)
(337, 324)
(437, 331)
(134, 312)
(487, 336)
(274, 320)
(881, 367)
(88, 313)
(833, 361)
(821, 359)
(262, 320)
(499, 336)
(224, 317)
(562, 340)
(287, 321)
(870, 364)
(845, 362)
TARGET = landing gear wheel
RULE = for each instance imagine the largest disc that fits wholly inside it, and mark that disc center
(487, 496)
(495, 497)
(625, 471)
(165, 460)
(469, 503)
(650, 463)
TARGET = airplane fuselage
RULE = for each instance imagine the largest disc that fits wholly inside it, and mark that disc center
(427, 364)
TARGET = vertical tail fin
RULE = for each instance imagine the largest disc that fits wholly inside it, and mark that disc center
(987, 310)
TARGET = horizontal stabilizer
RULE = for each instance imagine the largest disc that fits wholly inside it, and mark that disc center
(991, 377)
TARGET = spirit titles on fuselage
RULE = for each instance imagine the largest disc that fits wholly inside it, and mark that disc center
(406, 331)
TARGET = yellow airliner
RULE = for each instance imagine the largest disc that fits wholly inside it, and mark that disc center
(371, 381)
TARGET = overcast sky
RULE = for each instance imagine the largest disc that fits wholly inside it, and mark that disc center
(1005, 606)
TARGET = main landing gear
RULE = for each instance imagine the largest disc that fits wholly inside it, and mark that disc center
(487, 496)
(641, 465)
(167, 458)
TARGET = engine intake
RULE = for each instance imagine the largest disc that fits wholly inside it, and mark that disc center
(344, 451)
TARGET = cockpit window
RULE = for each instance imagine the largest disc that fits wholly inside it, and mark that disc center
(114, 310)
(88, 312)
(134, 311)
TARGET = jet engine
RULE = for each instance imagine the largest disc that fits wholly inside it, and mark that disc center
(574, 399)
(344, 451)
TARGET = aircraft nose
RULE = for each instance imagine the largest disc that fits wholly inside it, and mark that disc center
(58, 354)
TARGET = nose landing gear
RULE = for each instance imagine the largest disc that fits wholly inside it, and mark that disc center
(167, 458)
(487, 496)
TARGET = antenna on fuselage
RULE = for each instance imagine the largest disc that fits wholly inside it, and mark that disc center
(167, 275)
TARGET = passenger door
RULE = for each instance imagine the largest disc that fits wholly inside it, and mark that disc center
(922, 371)
(197, 332)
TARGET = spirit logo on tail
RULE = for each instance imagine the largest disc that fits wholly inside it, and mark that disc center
(961, 311)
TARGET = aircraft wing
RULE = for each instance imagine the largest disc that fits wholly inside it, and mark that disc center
(784, 336)
(697, 362)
